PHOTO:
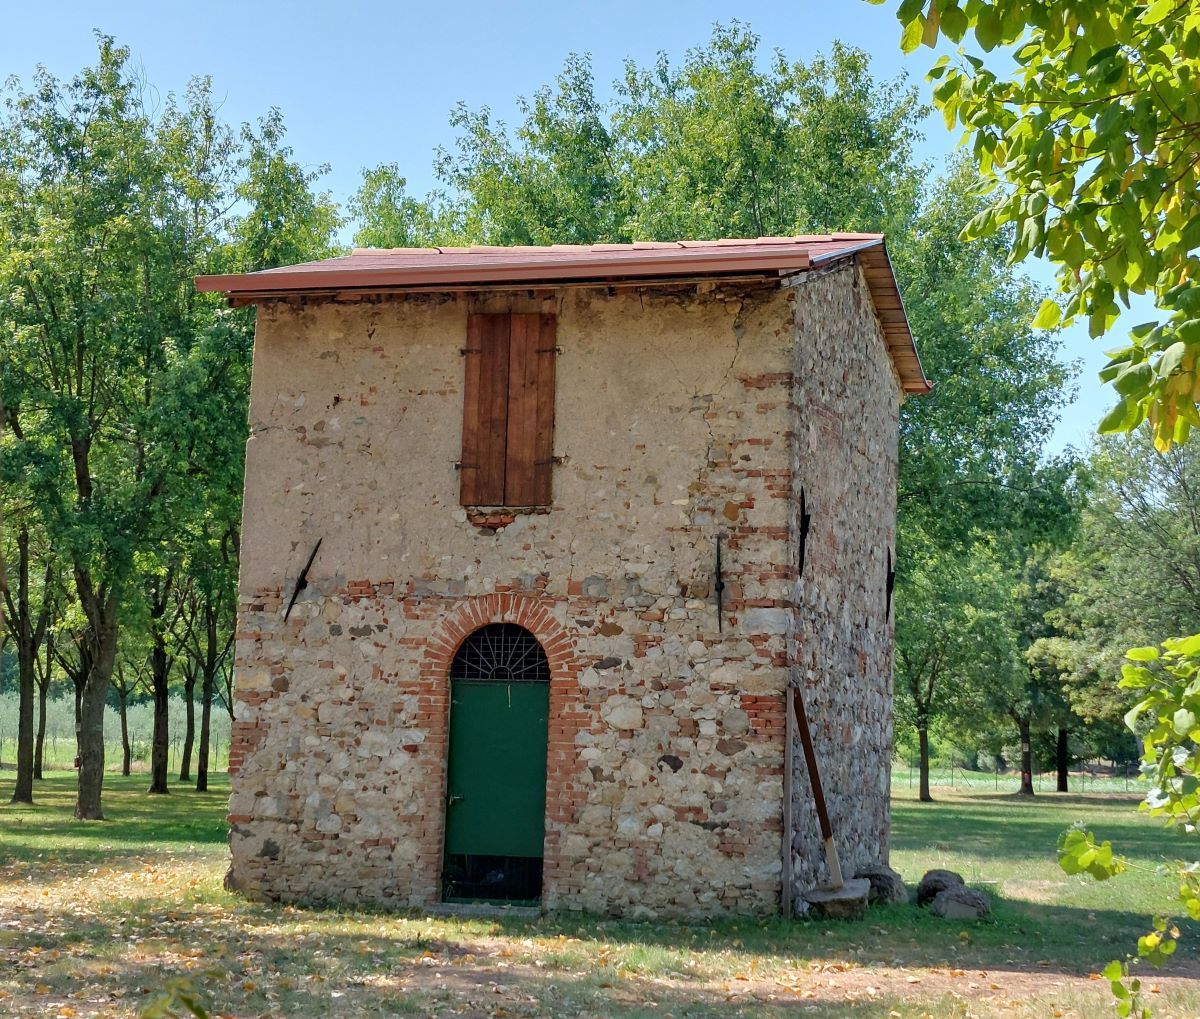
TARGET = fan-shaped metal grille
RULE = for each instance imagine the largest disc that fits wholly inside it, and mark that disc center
(503, 652)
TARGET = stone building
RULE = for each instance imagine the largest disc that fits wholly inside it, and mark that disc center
(485, 649)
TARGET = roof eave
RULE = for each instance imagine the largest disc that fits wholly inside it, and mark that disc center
(893, 318)
(688, 262)
(637, 267)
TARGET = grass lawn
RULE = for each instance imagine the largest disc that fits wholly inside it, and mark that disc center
(96, 918)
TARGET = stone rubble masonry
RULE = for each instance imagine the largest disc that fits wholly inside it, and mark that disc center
(681, 413)
(845, 403)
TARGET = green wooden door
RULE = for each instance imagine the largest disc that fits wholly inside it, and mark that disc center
(496, 787)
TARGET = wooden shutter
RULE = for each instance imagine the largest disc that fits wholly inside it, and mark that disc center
(530, 458)
(485, 410)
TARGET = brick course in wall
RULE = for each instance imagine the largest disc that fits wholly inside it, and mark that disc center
(682, 413)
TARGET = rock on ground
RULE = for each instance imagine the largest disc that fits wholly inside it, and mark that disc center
(887, 886)
(846, 903)
(935, 881)
(958, 902)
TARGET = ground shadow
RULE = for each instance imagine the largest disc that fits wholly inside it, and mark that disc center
(253, 967)
(976, 827)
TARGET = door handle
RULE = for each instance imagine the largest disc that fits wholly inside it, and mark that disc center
(453, 798)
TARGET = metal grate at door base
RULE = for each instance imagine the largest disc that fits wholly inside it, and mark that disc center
(512, 879)
(503, 652)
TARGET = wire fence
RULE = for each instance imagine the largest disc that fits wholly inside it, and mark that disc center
(58, 753)
(1085, 777)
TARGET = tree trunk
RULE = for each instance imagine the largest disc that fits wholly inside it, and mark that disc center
(102, 634)
(206, 698)
(126, 750)
(39, 744)
(23, 629)
(1026, 758)
(79, 682)
(1063, 760)
(23, 791)
(923, 737)
(189, 730)
(159, 743)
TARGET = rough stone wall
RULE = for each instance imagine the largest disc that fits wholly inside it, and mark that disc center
(664, 791)
(845, 407)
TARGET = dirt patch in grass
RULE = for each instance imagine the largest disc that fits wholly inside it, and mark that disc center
(103, 941)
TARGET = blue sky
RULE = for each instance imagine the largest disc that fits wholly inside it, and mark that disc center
(362, 83)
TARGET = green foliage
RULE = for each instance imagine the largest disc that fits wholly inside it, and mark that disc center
(285, 220)
(1131, 575)
(1168, 680)
(721, 144)
(389, 217)
(1079, 853)
(1168, 716)
(1127, 990)
(973, 460)
(125, 391)
(1090, 143)
(955, 643)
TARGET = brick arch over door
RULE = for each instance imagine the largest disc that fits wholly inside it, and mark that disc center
(567, 716)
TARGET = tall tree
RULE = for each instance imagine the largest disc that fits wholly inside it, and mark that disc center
(718, 145)
(187, 667)
(123, 685)
(956, 647)
(214, 636)
(43, 677)
(1037, 700)
(1091, 139)
(973, 452)
(118, 372)
(157, 591)
(209, 605)
(88, 280)
(1132, 574)
(26, 617)
(285, 219)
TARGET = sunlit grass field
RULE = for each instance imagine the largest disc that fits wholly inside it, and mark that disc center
(96, 919)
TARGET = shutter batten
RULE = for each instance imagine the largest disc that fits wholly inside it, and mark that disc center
(485, 410)
(543, 463)
(508, 410)
(519, 478)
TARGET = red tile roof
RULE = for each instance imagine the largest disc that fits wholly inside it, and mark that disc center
(428, 269)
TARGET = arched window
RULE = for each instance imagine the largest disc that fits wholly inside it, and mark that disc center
(503, 652)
